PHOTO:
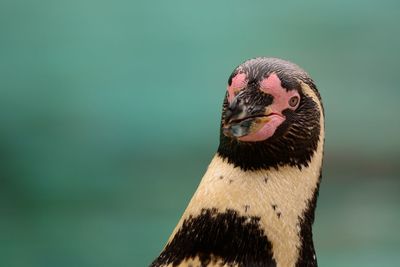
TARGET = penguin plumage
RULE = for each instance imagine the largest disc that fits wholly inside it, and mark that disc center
(255, 204)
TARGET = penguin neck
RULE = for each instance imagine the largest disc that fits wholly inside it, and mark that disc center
(281, 199)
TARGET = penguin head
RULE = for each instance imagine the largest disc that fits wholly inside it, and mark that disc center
(271, 111)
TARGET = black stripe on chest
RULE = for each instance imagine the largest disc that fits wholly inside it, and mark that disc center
(307, 256)
(224, 237)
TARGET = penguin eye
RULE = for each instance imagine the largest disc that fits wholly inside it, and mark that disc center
(293, 101)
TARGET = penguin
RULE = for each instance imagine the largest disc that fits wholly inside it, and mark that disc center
(255, 204)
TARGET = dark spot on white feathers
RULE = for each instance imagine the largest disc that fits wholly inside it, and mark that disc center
(246, 207)
(275, 208)
(221, 177)
(230, 181)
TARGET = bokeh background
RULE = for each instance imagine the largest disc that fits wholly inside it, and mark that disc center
(109, 116)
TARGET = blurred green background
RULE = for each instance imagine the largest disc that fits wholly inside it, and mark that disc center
(109, 114)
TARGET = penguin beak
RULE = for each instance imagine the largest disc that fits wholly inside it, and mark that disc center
(242, 118)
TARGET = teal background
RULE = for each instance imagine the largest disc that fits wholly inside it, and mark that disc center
(109, 116)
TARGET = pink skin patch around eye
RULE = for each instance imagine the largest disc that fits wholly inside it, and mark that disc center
(238, 83)
(273, 86)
